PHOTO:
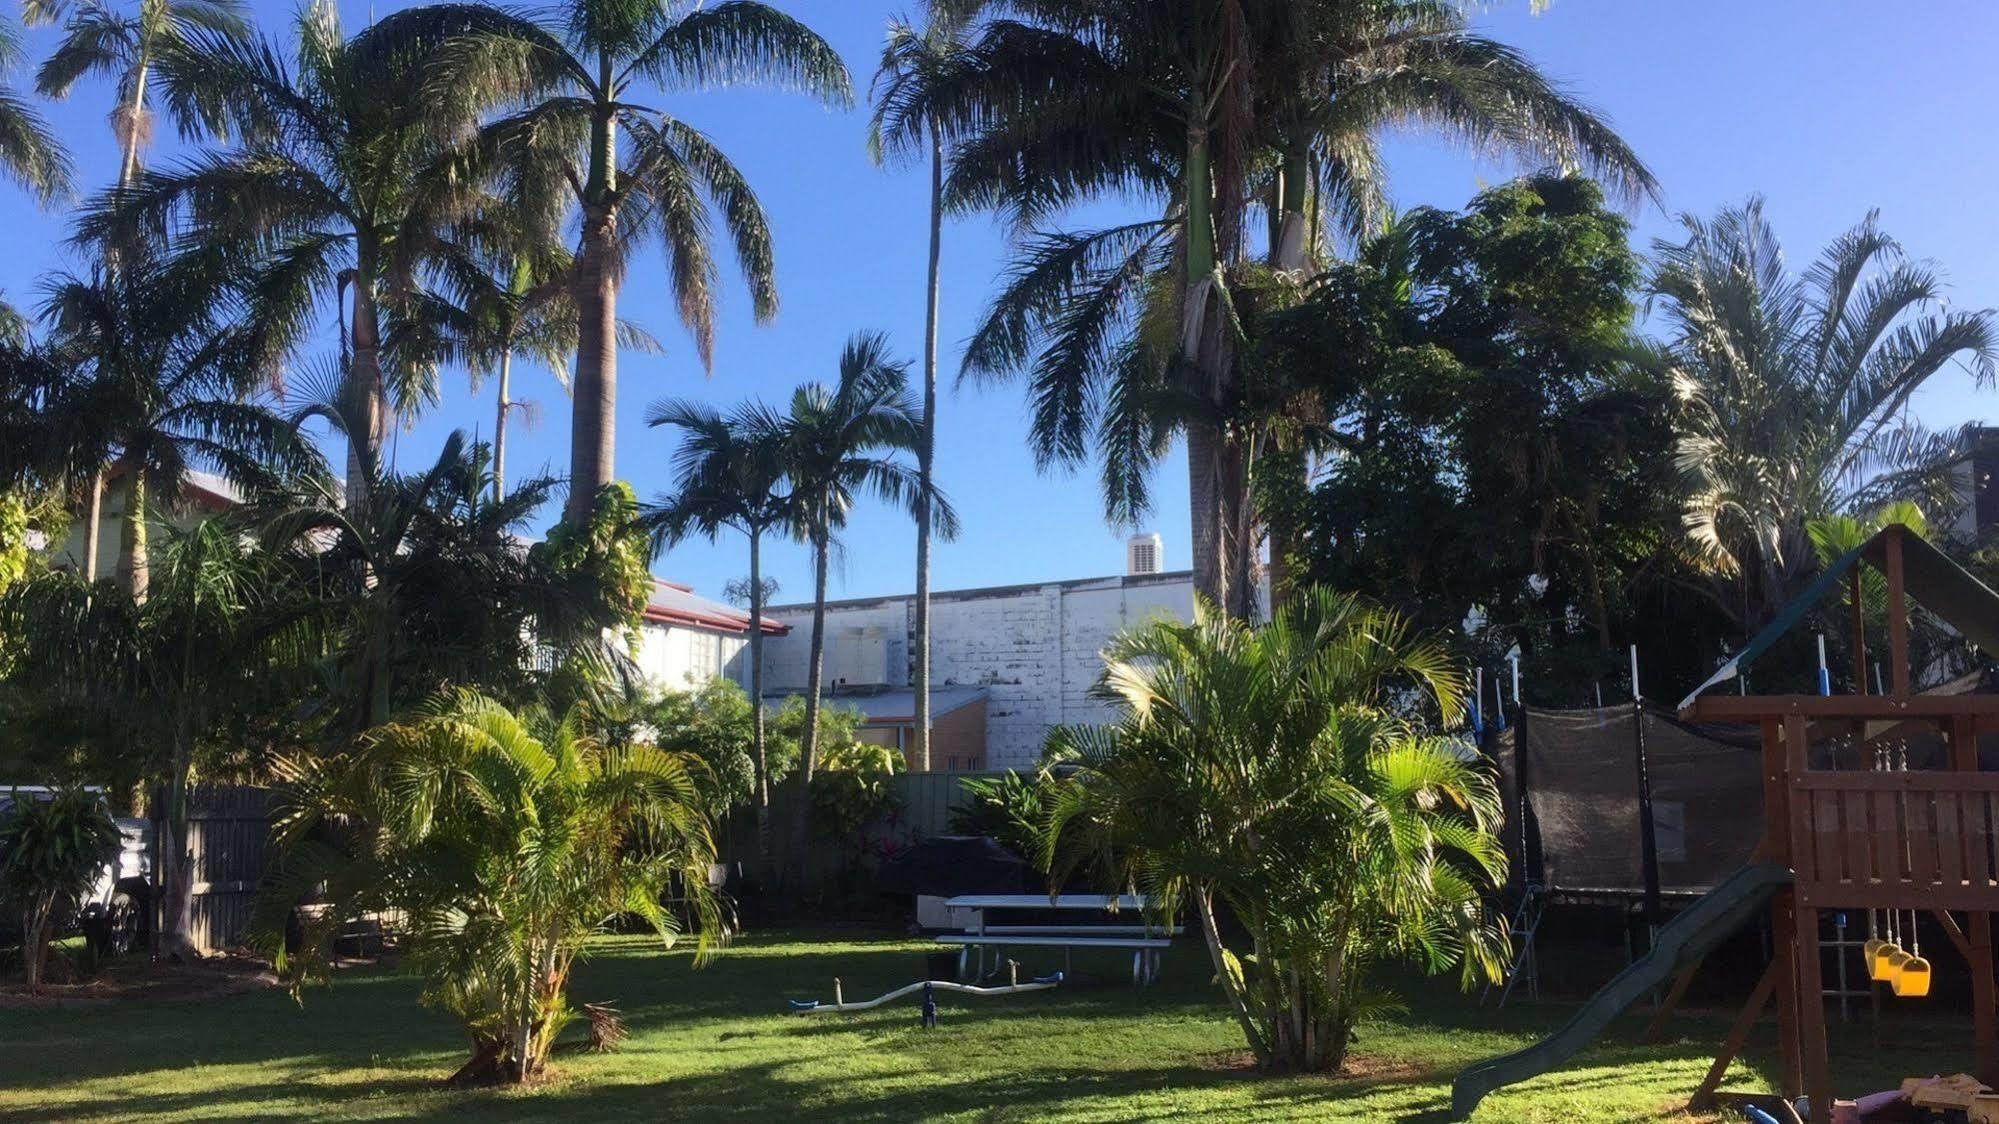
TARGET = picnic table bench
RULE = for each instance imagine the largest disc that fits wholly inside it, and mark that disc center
(1147, 943)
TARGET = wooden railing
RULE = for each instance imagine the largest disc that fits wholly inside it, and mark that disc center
(1888, 840)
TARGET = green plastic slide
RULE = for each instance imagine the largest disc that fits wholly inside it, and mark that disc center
(1683, 941)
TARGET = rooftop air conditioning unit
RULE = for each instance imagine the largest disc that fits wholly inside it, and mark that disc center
(1144, 554)
(859, 658)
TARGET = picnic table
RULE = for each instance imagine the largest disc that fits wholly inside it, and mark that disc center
(1146, 942)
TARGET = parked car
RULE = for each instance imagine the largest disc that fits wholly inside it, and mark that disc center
(117, 916)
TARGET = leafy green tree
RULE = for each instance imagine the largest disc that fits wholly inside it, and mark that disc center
(30, 155)
(1262, 769)
(842, 442)
(51, 852)
(730, 474)
(915, 61)
(574, 135)
(1791, 392)
(1206, 109)
(507, 841)
(1497, 447)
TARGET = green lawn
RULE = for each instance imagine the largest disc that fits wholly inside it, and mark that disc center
(714, 1044)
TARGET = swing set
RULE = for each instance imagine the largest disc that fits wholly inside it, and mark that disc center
(1847, 826)
(1880, 837)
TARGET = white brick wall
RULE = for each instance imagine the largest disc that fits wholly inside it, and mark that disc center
(1034, 648)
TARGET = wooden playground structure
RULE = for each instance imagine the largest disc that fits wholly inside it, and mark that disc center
(1860, 835)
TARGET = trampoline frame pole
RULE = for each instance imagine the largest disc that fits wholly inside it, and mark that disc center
(1648, 833)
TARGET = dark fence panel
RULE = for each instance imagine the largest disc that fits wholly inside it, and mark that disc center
(923, 808)
(229, 829)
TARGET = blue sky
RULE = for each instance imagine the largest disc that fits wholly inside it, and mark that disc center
(1826, 108)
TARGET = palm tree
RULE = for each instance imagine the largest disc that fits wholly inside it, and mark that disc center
(1205, 109)
(840, 443)
(429, 585)
(339, 186)
(1264, 769)
(159, 383)
(729, 473)
(489, 304)
(912, 62)
(30, 155)
(98, 38)
(1793, 391)
(573, 134)
(507, 841)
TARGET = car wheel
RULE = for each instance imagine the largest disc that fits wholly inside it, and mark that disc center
(122, 926)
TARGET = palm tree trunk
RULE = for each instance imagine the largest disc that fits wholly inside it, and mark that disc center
(132, 555)
(128, 167)
(93, 525)
(1289, 251)
(757, 696)
(1213, 510)
(808, 754)
(500, 427)
(175, 931)
(593, 421)
(594, 289)
(1211, 934)
(926, 453)
(365, 371)
(130, 126)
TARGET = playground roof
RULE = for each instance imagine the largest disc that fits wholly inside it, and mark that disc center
(1946, 589)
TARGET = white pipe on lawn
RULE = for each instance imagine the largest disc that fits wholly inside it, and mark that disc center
(907, 989)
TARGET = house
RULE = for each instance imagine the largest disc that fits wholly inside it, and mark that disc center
(204, 494)
(685, 640)
(1007, 663)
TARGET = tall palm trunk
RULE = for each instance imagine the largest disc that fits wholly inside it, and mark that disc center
(133, 546)
(93, 525)
(174, 931)
(808, 755)
(1215, 476)
(1290, 250)
(365, 371)
(594, 289)
(593, 425)
(926, 452)
(131, 125)
(757, 735)
(500, 427)
(130, 115)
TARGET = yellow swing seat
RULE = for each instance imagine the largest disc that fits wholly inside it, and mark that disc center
(1912, 981)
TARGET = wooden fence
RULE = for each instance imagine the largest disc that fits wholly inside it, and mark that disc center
(923, 807)
(229, 838)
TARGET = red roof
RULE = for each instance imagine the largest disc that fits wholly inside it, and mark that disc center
(676, 604)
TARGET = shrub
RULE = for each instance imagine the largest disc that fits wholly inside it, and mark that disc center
(505, 842)
(51, 853)
(1261, 768)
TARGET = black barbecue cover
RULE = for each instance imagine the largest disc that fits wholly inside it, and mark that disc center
(957, 864)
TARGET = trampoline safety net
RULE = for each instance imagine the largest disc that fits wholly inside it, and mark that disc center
(1582, 832)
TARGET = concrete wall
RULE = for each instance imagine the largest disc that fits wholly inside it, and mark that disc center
(1035, 648)
(680, 657)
